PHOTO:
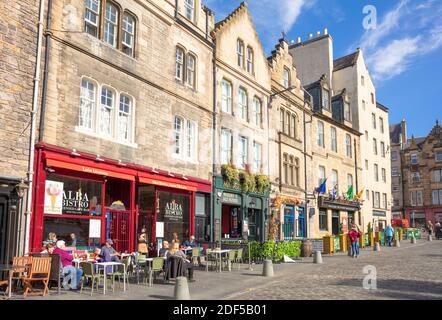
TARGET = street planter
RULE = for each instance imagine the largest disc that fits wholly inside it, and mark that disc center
(329, 247)
(343, 239)
(382, 236)
(366, 240)
(371, 238)
(377, 236)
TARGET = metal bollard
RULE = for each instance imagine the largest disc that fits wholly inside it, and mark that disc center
(181, 291)
(397, 243)
(430, 238)
(377, 246)
(267, 270)
(317, 257)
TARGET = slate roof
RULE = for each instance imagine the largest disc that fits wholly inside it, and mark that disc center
(345, 62)
(395, 133)
(381, 106)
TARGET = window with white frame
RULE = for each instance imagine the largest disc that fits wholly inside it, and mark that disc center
(375, 147)
(92, 17)
(226, 96)
(106, 111)
(416, 198)
(179, 64)
(190, 68)
(415, 177)
(191, 139)
(376, 172)
(242, 152)
(436, 196)
(128, 34)
(437, 175)
(111, 25)
(242, 104)
(321, 175)
(250, 61)
(334, 179)
(286, 77)
(124, 118)
(325, 99)
(347, 112)
(333, 140)
(240, 52)
(189, 9)
(178, 131)
(320, 134)
(349, 180)
(226, 146)
(384, 175)
(438, 156)
(87, 104)
(281, 120)
(383, 149)
(257, 111)
(287, 123)
(414, 159)
(185, 137)
(348, 146)
(257, 157)
(294, 120)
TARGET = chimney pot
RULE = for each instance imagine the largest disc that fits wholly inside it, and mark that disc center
(299, 40)
(318, 33)
(310, 36)
(325, 31)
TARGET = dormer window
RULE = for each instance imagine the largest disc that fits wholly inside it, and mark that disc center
(286, 77)
(325, 99)
(240, 53)
(347, 113)
(189, 9)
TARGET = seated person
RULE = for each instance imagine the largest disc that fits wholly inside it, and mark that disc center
(190, 243)
(164, 249)
(96, 255)
(175, 251)
(175, 238)
(52, 239)
(108, 253)
(71, 273)
(49, 248)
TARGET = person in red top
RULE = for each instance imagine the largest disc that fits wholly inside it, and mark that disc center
(354, 235)
(71, 273)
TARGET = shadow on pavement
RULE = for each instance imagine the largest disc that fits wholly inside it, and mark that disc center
(161, 297)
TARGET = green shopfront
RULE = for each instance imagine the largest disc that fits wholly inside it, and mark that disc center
(238, 214)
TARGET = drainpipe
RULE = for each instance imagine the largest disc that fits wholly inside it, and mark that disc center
(30, 172)
(356, 176)
(213, 194)
(306, 213)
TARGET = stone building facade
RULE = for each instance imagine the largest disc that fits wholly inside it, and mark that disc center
(18, 44)
(422, 180)
(243, 87)
(398, 140)
(128, 106)
(289, 145)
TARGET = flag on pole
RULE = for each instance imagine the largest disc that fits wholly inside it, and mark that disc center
(350, 193)
(322, 188)
(360, 194)
(334, 192)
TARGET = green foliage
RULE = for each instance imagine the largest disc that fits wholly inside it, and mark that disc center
(274, 250)
(248, 180)
(262, 183)
(230, 173)
(369, 229)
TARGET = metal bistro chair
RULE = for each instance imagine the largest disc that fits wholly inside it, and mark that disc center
(40, 271)
(120, 273)
(196, 255)
(140, 265)
(89, 274)
(210, 258)
(157, 267)
(239, 260)
(230, 259)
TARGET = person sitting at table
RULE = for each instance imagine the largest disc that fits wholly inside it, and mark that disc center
(108, 253)
(190, 243)
(52, 239)
(175, 238)
(96, 255)
(175, 251)
(71, 273)
(164, 249)
(49, 248)
(73, 240)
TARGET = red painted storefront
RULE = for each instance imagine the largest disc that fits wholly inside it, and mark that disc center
(422, 215)
(117, 198)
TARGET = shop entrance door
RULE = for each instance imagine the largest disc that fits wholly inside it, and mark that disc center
(254, 217)
(301, 223)
(335, 222)
(289, 223)
(117, 228)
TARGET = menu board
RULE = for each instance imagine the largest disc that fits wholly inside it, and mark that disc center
(95, 228)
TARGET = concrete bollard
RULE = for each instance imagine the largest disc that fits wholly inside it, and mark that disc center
(317, 257)
(377, 246)
(413, 240)
(267, 270)
(181, 291)
(430, 238)
(397, 243)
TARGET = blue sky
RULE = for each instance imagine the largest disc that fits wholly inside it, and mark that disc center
(403, 53)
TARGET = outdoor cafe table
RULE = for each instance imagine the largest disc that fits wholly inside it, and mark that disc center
(112, 264)
(10, 268)
(219, 253)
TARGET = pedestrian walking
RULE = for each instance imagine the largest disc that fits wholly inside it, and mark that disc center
(354, 235)
(389, 232)
(430, 228)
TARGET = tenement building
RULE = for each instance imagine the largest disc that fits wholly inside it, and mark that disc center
(18, 45)
(422, 178)
(126, 120)
(289, 147)
(242, 91)
(398, 140)
(335, 147)
(314, 60)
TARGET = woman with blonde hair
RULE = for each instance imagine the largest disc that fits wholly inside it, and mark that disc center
(175, 251)
(175, 238)
(142, 242)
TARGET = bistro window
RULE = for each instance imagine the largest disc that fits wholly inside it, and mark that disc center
(92, 17)
(174, 212)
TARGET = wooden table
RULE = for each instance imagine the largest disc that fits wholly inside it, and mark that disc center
(10, 268)
(105, 265)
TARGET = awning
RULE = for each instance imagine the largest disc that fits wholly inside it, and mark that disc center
(167, 182)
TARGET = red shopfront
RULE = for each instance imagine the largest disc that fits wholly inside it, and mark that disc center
(102, 198)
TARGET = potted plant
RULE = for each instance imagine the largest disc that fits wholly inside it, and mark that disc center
(230, 174)
(262, 183)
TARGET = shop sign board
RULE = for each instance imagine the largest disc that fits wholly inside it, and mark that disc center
(54, 199)
(231, 198)
(173, 211)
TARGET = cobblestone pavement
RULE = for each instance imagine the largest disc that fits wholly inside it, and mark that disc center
(408, 272)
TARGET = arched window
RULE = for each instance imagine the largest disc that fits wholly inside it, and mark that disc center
(125, 118)
(240, 53)
(87, 104)
(179, 64)
(178, 128)
(190, 67)
(106, 111)
(189, 9)
(242, 104)
(92, 17)
(286, 77)
(128, 38)
(250, 62)
(111, 25)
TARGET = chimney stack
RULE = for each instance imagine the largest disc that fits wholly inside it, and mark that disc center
(299, 40)
(404, 131)
(325, 31)
(310, 36)
(318, 34)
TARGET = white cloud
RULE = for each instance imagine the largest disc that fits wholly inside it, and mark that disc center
(290, 11)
